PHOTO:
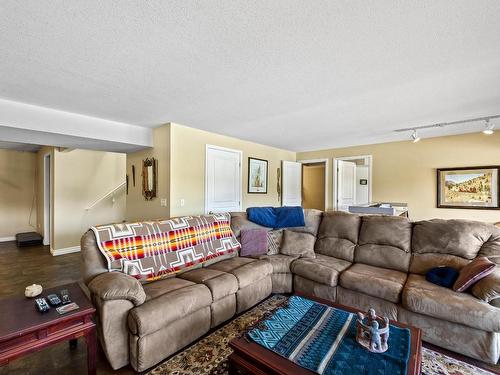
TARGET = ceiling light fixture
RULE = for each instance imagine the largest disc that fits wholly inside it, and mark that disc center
(488, 127)
(415, 136)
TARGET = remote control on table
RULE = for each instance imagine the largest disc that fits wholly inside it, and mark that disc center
(54, 300)
(65, 296)
(42, 305)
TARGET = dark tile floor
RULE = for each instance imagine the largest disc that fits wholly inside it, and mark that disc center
(20, 267)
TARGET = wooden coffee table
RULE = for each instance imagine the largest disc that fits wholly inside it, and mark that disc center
(251, 358)
(24, 330)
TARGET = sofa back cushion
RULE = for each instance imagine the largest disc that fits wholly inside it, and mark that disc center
(491, 248)
(338, 235)
(152, 250)
(239, 221)
(312, 220)
(385, 241)
(452, 243)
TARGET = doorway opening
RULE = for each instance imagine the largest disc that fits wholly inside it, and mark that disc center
(314, 185)
(352, 181)
(47, 201)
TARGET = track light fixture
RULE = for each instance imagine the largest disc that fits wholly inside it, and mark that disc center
(488, 127)
(414, 136)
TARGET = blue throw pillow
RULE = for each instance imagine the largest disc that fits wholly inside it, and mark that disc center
(443, 276)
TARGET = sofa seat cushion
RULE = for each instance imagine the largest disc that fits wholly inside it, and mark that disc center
(374, 281)
(221, 284)
(246, 270)
(157, 288)
(281, 263)
(322, 269)
(230, 264)
(425, 298)
(167, 308)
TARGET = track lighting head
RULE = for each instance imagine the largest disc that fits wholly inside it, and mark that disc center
(415, 136)
(488, 127)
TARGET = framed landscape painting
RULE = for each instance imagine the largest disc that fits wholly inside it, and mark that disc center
(470, 187)
(257, 176)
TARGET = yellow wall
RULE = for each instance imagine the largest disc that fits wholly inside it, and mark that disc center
(17, 191)
(187, 173)
(313, 186)
(81, 177)
(406, 172)
(137, 207)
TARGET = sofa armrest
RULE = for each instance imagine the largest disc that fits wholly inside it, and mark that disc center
(117, 286)
(488, 288)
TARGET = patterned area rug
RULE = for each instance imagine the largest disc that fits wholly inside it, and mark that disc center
(209, 355)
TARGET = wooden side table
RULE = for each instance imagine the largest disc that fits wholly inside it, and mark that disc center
(24, 330)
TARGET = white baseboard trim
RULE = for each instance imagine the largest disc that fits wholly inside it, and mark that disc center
(66, 250)
(6, 239)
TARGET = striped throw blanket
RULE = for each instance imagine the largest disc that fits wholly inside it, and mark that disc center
(150, 250)
(322, 339)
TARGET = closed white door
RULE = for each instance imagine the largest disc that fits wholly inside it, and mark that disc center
(222, 180)
(291, 183)
(346, 184)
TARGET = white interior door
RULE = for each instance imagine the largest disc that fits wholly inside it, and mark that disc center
(223, 188)
(291, 183)
(346, 184)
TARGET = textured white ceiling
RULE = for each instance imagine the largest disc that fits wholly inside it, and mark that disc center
(299, 75)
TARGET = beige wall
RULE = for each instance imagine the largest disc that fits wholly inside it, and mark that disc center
(187, 171)
(313, 186)
(17, 192)
(81, 177)
(406, 172)
(137, 207)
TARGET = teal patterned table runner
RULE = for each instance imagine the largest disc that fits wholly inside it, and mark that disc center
(322, 339)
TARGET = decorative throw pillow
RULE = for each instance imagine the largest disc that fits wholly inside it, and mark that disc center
(298, 244)
(472, 273)
(488, 288)
(274, 238)
(253, 242)
(442, 276)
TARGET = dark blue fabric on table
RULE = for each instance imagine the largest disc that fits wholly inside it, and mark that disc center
(289, 217)
(322, 339)
(277, 217)
(442, 276)
(265, 216)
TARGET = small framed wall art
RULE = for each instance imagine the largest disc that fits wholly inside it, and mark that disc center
(468, 187)
(257, 176)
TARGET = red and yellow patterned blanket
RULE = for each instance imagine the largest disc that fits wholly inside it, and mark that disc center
(150, 250)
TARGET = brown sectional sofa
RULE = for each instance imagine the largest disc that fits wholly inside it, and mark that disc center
(381, 262)
(142, 324)
(361, 261)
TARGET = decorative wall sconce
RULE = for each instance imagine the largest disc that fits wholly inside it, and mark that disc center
(149, 179)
